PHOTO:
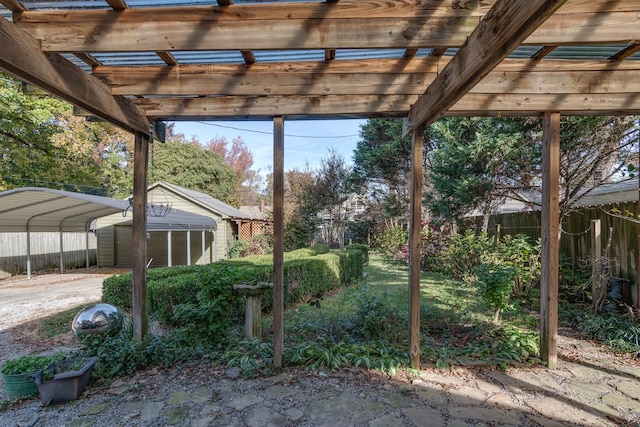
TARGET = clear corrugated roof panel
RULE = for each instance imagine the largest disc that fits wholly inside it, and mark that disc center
(65, 4)
(128, 59)
(208, 57)
(585, 52)
(288, 55)
(523, 52)
(75, 60)
(368, 53)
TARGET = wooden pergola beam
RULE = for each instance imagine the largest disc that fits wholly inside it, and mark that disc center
(21, 56)
(503, 28)
(345, 25)
(368, 77)
(359, 106)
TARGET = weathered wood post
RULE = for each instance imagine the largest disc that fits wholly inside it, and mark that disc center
(139, 236)
(550, 239)
(278, 240)
(597, 293)
(415, 254)
(253, 307)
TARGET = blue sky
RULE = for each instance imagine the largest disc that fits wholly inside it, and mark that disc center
(306, 141)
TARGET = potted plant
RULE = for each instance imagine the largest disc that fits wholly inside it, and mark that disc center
(19, 374)
(64, 380)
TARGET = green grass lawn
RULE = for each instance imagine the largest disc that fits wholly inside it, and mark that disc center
(367, 324)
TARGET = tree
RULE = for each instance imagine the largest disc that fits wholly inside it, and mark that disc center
(190, 165)
(332, 191)
(43, 144)
(382, 167)
(476, 163)
(240, 159)
(301, 208)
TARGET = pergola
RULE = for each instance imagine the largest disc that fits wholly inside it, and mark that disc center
(150, 60)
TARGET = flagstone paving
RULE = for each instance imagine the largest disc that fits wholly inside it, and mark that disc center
(594, 391)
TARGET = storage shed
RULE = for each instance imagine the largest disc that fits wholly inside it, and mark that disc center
(198, 229)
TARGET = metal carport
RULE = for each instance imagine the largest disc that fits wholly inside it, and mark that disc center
(33, 209)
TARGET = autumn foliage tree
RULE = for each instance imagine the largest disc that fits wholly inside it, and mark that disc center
(240, 159)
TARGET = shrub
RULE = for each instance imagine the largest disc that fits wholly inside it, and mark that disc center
(203, 295)
(463, 253)
(391, 241)
(497, 283)
(320, 248)
(362, 248)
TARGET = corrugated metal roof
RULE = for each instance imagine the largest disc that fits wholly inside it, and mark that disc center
(45, 209)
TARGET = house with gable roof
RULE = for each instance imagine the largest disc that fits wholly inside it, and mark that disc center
(174, 245)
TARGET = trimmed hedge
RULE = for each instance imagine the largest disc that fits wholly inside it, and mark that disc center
(306, 275)
(362, 248)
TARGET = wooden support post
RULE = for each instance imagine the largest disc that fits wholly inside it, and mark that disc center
(139, 239)
(278, 240)
(415, 227)
(596, 268)
(550, 239)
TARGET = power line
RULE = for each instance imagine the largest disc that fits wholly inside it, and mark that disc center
(271, 133)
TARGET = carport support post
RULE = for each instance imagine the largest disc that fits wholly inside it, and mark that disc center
(415, 227)
(139, 253)
(550, 239)
(61, 252)
(278, 240)
(169, 249)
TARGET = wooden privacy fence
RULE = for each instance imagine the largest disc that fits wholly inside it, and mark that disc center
(45, 251)
(575, 240)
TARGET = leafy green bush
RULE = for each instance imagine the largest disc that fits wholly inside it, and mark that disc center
(463, 253)
(362, 248)
(391, 241)
(29, 364)
(510, 343)
(320, 248)
(203, 295)
(497, 284)
(378, 317)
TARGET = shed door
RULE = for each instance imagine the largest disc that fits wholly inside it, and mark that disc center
(123, 245)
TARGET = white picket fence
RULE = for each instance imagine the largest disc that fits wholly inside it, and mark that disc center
(45, 251)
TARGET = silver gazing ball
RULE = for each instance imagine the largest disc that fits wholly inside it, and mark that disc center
(97, 319)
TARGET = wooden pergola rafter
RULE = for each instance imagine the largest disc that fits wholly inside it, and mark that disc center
(68, 51)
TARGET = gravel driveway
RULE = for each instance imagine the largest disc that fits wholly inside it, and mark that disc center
(23, 302)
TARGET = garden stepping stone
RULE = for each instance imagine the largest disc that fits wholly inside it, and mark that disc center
(424, 416)
(96, 409)
(178, 397)
(264, 416)
(151, 411)
(489, 415)
(467, 396)
(244, 401)
(630, 388)
(389, 420)
(177, 415)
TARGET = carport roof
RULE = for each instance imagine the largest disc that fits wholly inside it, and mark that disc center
(44, 209)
